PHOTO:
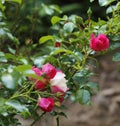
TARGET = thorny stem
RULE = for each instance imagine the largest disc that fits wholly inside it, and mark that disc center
(39, 117)
(57, 120)
(22, 95)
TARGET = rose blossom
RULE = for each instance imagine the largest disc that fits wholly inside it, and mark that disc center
(40, 84)
(49, 70)
(46, 104)
(99, 43)
(59, 81)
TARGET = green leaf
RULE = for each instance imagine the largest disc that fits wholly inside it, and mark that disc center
(55, 20)
(105, 2)
(11, 80)
(45, 39)
(91, 1)
(48, 10)
(110, 9)
(56, 8)
(83, 96)
(19, 107)
(39, 61)
(23, 60)
(8, 81)
(27, 71)
(62, 50)
(115, 46)
(2, 101)
(13, 51)
(82, 76)
(2, 7)
(23, 68)
(116, 57)
(68, 27)
(62, 114)
(10, 56)
(2, 57)
(3, 107)
(79, 20)
(16, 1)
(93, 86)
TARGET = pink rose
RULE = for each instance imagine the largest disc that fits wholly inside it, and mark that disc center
(49, 70)
(37, 71)
(46, 104)
(38, 83)
(99, 43)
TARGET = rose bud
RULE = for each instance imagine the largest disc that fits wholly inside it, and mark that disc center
(46, 104)
(57, 44)
(49, 70)
(40, 84)
(61, 93)
(99, 43)
(37, 71)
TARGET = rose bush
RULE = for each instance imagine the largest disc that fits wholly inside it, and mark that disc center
(40, 76)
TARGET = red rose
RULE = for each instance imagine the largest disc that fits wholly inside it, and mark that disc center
(40, 84)
(57, 44)
(49, 70)
(46, 104)
(99, 43)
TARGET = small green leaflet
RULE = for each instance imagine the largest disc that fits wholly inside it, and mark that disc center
(55, 19)
(16, 1)
(45, 39)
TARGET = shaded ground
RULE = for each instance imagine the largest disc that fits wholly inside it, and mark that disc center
(105, 110)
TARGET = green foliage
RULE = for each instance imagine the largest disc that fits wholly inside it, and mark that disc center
(55, 19)
(116, 57)
(18, 107)
(68, 27)
(9, 80)
(45, 38)
(83, 96)
(16, 1)
(105, 2)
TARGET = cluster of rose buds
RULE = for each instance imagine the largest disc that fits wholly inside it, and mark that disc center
(53, 78)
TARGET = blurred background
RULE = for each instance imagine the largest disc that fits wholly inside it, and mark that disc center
(31, 19)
